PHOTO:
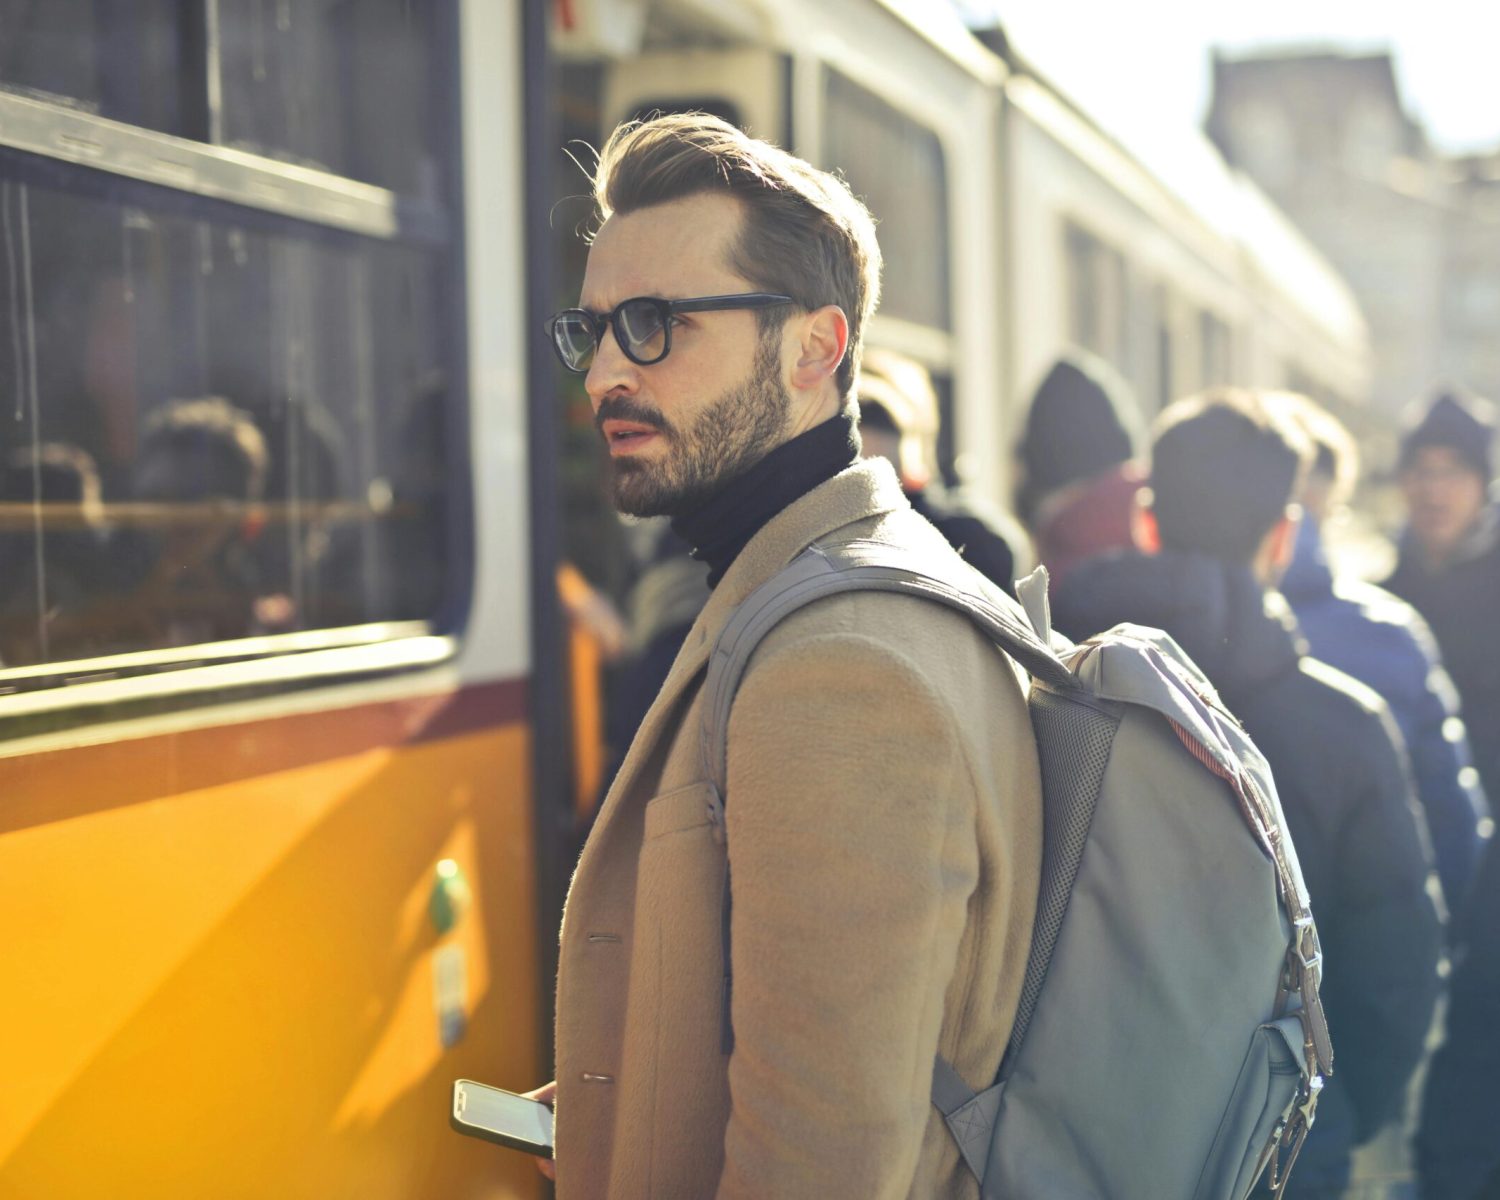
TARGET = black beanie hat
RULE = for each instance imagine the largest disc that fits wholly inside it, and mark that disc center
(1081, 422)
(1461, 423)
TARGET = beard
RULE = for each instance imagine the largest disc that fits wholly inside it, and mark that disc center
(728, 437)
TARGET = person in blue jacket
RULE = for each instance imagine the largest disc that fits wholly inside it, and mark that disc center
(1382, 641)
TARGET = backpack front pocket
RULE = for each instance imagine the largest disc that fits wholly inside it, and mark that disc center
(1263, 1095)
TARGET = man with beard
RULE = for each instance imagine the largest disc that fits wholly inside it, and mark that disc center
(880, 832)
(1216, 538)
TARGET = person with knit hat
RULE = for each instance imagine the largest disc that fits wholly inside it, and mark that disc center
(1382, 641)
(1449, 570)
(1448, 567)
(1076, 457)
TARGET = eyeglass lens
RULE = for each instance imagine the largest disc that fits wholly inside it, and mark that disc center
(644, 326)
(639, 324)
(573, 334)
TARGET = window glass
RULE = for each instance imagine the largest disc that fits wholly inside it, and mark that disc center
(896, 167)
(1214, 335)
(123, 61)
(343, 85)
(1096, 295)
(214, 429)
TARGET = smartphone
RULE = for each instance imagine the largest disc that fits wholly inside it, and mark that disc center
(504, 1117)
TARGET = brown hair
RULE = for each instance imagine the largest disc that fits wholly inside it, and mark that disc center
(1224, 465)
(1336, 457)
(804, 232)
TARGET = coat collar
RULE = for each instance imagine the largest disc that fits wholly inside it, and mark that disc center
(867, 489)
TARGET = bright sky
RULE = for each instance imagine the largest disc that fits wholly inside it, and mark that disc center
(1152, 56)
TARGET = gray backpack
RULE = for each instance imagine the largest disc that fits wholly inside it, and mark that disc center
(1169, 1043)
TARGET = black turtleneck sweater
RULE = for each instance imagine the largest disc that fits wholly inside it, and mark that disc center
(721, 527)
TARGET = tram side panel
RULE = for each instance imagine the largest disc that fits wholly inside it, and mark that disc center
(267, 898)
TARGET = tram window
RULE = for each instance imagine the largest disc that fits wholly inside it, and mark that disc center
(1096, 294)
(123, 61)
(896, 166)
(343, 85)
(212, 431)
(1214, 336)
(1165, 365)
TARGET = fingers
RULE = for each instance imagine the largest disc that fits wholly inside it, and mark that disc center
(545, 1095)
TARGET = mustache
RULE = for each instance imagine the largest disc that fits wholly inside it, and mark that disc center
(618, 408)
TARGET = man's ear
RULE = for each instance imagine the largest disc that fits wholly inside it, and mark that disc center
(823, 342)
(1144, 531)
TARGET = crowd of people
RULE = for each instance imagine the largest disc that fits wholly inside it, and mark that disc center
(881, 829)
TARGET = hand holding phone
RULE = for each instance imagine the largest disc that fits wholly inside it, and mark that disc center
(502, 1117)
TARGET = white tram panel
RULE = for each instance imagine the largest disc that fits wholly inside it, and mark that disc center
(1068, 175)
(497, 641)
(1214, 284)
(1310, 331)
(773, 64)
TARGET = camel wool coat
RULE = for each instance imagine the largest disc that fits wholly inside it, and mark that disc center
(882, 823)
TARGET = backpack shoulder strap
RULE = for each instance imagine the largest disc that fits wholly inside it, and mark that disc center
(820, 572)
(864, 565)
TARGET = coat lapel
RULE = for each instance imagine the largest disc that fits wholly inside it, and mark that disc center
(867, 489)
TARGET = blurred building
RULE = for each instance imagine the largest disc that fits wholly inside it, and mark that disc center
(1416, 233)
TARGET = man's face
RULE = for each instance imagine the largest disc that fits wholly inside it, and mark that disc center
(1445, 496)
(718, 402)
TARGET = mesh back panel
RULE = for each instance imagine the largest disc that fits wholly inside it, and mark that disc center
(1073, 742)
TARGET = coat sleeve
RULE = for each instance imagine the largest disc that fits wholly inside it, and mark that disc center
(1386, 930)
(1451, 796)
(1458, 1153)
(852, 853)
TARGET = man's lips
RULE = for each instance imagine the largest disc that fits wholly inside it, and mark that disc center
(626, 437)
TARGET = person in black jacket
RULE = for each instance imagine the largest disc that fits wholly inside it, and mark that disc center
(899, 421)
(1224, 467)
(1449, 570)
(1448, 567)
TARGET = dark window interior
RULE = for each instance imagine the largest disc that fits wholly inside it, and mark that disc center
(219, 423)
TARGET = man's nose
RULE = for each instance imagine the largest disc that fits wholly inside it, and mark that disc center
(611, 371)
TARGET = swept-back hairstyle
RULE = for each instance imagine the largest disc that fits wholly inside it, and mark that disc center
(804, 233)
(1224, 465)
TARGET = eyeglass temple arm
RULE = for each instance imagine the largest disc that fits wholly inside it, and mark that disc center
(716, 303)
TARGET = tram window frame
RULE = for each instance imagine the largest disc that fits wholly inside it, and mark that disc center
(1097, 280)
(1215, 348)
(41, 152)
(906, 244)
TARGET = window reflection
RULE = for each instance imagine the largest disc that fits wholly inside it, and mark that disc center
(344, 85)
(128, 62)
(211, 430)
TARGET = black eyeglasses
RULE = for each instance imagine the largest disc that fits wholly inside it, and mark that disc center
(642, 326)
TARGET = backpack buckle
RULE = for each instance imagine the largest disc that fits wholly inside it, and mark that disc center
(1309, 948)
(1292, 1134)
